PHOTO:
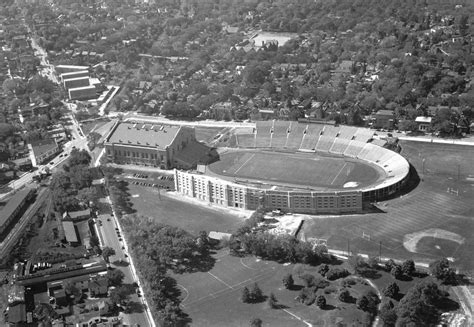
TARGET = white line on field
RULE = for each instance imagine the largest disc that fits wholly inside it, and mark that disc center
(220, 280)
(251, 157)
(340, 171)
(299, 318)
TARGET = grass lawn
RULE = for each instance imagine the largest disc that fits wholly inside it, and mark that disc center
(180, 213)
(207, 134)
(428, 206)
(296, 168)
(212, 298)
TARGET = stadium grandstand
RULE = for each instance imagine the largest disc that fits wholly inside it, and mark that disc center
(349, 142)
(295, 136)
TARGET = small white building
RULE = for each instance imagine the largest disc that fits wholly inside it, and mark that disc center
(424, 123)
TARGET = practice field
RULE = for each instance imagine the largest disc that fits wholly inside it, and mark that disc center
(212, 298)
(434, 220)
(297, 169)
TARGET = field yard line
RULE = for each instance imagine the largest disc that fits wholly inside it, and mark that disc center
(340, 171)
(299, 318)
(243, 264)
(220, 280)
(246, 161)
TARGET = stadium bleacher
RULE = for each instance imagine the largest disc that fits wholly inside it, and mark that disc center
(324, 143)
(295, 136)
(331, 131)
(365, 151)
(280, 134)
(354, 148)
(363, 135)
(339, 145)
(347, 132)
(263, 135)
(311, 137)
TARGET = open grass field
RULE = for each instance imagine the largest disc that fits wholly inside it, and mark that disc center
(310, 170)
(212, 298)
(207, 134)
(443, 200)
(180, 213)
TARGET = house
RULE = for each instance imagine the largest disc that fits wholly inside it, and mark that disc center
(42, 150)
(424, 123)
(384, 119)
(104, 307)
(60, 297)
(77, 215)
(98, 287)
(16, 315)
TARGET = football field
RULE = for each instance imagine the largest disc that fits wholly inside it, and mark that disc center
(296, 169)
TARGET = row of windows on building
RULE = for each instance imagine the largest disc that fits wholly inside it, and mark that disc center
(142, 155)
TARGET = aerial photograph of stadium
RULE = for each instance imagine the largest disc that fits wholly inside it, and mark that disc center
(221, 163)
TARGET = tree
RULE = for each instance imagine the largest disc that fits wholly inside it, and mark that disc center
(288, 281)
(388, 314)
(397, 271)
(321, 301)
(119, 295)
(308, 280)
(73, 291)
(408, 267)
(344, 295)
(79, 157)
(107, 252)
(441, 270)
(323, 269)
(363, 303)
(256, 294)
(391, 290)
(272, 301)
(245, 296)
(115, 277)
(256, 322)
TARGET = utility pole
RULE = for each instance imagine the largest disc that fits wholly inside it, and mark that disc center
(380, 251)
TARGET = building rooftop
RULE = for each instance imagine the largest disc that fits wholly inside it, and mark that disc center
(145, 135)
(385, 112)
(70, 232)
(11, 205)
(422, 119)
(41, 146)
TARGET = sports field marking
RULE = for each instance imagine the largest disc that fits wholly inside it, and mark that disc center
(340, 171)
(299, 318)
(243, 264)
(187, 294)
(220, 280)
(246, 161)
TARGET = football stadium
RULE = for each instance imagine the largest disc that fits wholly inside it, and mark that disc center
(299, 167)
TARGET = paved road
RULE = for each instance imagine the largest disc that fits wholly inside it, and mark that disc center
(110, 237)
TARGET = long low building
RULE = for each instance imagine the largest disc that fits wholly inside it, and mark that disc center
(227, 194)
(13, 207)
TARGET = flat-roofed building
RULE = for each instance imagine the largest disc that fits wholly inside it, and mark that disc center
(80, 73)
(61, 69)
(83, 93)
(76, 82)
(157, 145)
(70, 233)
(13, 207)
